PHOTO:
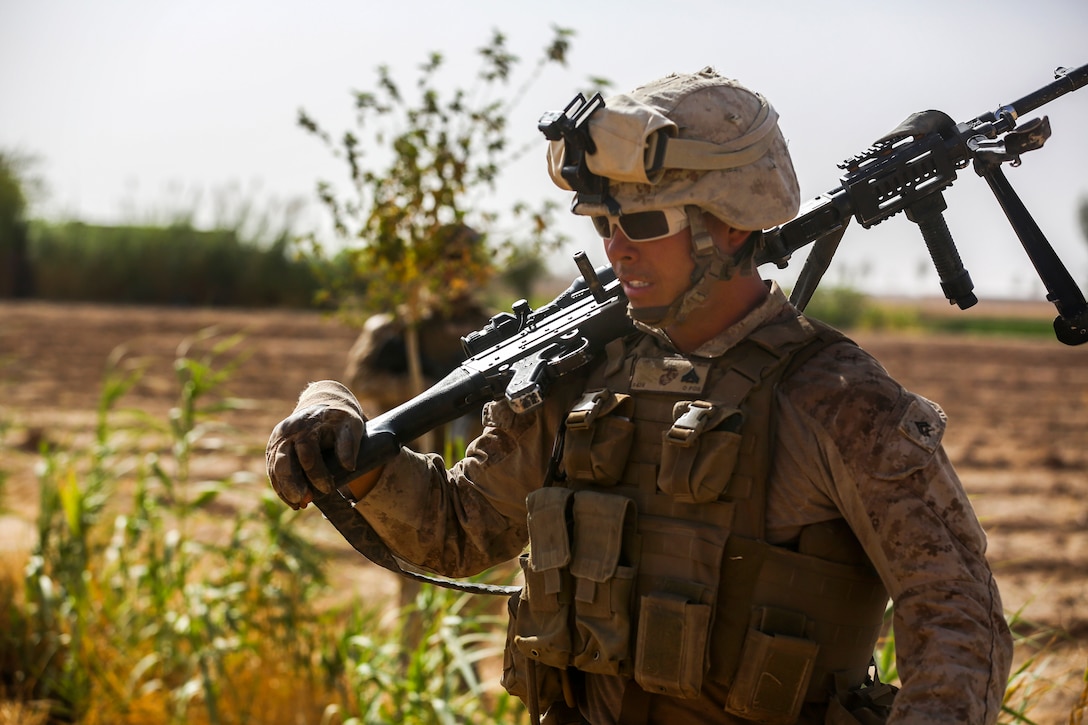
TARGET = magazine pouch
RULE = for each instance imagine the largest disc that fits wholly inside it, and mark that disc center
(599, 433)
(776, 664)
(522, 677)
(672, 635)
(699, 451)
(542, 630)
(603, 582)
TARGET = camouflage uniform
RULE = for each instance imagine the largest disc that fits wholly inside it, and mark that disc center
(851, 443)
(836, 446)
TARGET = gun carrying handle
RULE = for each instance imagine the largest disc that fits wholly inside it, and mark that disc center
(928, 214)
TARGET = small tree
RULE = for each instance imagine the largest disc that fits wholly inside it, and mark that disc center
(411, 237)
(412, 186)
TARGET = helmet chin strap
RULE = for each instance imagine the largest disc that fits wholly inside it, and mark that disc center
(711, 266)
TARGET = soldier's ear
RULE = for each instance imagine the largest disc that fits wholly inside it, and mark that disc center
(728, 238)
(737, 238)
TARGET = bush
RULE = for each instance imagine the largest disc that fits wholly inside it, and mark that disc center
(176, 265)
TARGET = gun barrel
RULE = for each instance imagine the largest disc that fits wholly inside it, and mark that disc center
(1066, 82)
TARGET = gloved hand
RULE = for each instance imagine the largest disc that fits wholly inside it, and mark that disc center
(327, 417)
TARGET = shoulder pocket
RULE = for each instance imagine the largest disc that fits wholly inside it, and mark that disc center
(908, 443)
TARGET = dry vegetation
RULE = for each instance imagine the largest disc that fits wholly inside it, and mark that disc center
(1018, 418)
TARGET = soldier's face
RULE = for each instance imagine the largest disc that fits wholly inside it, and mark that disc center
(654, 273)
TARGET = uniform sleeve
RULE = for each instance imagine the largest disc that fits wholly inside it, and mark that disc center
(882, 465)
(460, 521)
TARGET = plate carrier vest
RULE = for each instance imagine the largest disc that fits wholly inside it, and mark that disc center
(647, 556)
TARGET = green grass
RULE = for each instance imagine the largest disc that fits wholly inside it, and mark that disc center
(168, 265)
(1000, 326)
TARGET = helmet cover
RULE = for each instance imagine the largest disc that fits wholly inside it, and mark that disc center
(696, 139)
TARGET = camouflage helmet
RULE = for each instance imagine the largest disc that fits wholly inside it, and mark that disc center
(696, 139)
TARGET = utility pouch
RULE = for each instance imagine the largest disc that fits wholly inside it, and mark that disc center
(599, 434)
(542, 631)
(520, 675)
(774, 673)
(603, 582)
(670, 656)
(699, 451)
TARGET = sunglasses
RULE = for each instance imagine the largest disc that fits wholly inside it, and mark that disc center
(643, 226)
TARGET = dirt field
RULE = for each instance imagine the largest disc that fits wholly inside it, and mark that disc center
(1018, 433)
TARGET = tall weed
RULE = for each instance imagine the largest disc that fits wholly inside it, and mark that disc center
(175, 264)
(143, 602)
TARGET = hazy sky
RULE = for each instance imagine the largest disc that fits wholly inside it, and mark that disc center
(141, 108)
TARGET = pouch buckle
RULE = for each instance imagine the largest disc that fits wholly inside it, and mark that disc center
(586, 410)
(688, 426)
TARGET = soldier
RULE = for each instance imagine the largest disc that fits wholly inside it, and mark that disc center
(738, 489)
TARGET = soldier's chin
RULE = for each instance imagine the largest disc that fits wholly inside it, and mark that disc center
(647, 315)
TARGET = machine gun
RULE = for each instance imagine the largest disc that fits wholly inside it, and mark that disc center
(519, 355)
(908, 169)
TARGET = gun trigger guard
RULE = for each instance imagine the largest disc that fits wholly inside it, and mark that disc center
(571, 359)
(526, 389)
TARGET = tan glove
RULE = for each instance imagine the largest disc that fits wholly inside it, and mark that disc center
(327, 418)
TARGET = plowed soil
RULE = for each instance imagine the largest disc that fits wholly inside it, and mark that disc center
(1018, 433)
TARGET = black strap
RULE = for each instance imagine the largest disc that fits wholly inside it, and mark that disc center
(361, 535)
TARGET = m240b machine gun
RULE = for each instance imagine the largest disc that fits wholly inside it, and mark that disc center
(908, 169)
(518, 355)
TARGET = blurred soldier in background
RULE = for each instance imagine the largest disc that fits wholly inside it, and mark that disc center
(378, 366)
